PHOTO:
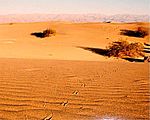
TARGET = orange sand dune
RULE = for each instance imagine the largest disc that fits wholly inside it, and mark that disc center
(58, 78)
(16, 41)
(73, 90)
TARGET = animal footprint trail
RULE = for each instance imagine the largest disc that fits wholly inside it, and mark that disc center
(82, 85)
(75, 92)
(65, 103)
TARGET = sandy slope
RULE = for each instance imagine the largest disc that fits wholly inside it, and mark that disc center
(16, 41)
(54, 78)
(73, 90)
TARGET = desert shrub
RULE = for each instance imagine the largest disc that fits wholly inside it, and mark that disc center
(45, 33)
(140, 32)
(125, 49)
(49, 32)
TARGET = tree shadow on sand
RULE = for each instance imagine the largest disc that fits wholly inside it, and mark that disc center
(104, 52)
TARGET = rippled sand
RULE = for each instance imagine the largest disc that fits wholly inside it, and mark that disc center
(73, 90)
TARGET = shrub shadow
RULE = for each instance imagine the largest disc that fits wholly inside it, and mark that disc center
(146, 44)
(98, 51)
(104, 52)
(133, 59)
(147, 48)
(131, 33)
(146, 51)
(38, 34)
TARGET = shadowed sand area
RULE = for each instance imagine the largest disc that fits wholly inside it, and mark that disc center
(77, 90)
(68, 76)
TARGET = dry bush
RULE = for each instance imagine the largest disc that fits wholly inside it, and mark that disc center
(45, 33)
(143, 31)
(125, 49)
(140, 32)
(48, 32)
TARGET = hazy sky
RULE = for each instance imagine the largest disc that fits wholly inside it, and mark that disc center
(75, 6)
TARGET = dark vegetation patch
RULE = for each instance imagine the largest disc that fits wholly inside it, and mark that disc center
(140, 32)
(122, 49)
(45, 33)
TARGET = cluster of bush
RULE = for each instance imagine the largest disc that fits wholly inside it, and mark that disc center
(123, 49)
(45, 33)
(140, 32)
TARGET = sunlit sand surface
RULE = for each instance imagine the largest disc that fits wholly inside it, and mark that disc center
(55, 79)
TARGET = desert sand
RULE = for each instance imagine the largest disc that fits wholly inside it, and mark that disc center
(54, 78)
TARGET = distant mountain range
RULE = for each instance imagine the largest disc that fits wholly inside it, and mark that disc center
(73, 18)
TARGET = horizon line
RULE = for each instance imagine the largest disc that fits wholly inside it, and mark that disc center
(73, 14)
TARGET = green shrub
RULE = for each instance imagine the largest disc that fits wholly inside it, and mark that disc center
(125, 49)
